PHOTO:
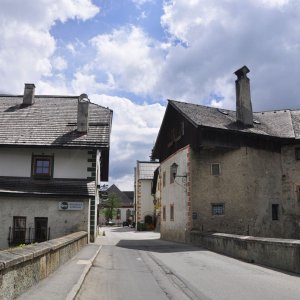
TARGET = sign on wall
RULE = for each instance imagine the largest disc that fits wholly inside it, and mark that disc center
(65, 205)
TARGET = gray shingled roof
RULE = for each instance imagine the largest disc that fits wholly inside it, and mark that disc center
(57, 187)
(125, 201)
(146, 169)
(51, 121)
(279, 123)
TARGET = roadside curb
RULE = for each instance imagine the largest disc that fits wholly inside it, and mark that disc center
(72, 294)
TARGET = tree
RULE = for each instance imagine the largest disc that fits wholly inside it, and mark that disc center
(111, 206)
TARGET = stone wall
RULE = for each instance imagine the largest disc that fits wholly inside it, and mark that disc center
(282, 254)
(20, 268)
(291, 190)
(250, 181)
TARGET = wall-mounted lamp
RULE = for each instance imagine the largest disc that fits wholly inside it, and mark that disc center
(174, 168)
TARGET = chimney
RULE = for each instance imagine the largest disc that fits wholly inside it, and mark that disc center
(243, 98)
(28, 98)
(83, 113)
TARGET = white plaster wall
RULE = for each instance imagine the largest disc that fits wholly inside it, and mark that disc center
(175, 193)
(147, 207)
(60, 222)
(123, 216)
(68, 163)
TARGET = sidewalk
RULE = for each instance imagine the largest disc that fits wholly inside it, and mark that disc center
(64, 283)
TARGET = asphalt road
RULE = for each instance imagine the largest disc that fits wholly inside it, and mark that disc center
(137, 265)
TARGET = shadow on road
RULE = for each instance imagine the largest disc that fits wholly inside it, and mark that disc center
(157, 245)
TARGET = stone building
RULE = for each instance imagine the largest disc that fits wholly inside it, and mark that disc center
(54, 151)
(144, 207)
(229, 171)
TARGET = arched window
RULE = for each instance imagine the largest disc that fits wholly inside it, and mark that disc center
(148, 219)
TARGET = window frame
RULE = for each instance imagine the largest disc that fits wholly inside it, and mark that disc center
(172, 212)
(211, 169)
(19, 232)
(35, 158)
(216, 205)
(172, 179)
(297, 153)
(164, 178)
(164, 213)
(275, 211)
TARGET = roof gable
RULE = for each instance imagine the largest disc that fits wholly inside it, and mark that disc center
(124, 199)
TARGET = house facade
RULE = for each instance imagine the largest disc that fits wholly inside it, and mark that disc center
(231, 172)
(144, 206)
(125, 212)
(54, 152)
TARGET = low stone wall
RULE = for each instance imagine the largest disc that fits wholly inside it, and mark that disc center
(20, 268)
(282, 254)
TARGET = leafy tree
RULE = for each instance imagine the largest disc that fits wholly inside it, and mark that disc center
(111, 206)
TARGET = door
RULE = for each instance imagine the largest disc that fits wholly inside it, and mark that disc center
(19, 230)
(41, 225)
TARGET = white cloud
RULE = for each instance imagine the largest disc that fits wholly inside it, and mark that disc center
(124, 183)
(86, 82)
(59, 63)
(218, 37)
(27, 45)
(134, 132)
(133, 59)
(140, 3)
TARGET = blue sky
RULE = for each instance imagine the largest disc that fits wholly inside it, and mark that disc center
(133, 55)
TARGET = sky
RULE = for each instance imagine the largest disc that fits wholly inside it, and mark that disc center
(133, 55)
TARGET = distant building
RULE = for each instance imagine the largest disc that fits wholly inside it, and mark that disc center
(144, 206)
(54, 151)
(226, 171)
(125, 212)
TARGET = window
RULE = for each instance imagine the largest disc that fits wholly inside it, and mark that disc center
(297, 153)
(215, 169)
(217, 209)
(164, 178)
(19, 230)
(118, 214)
(42, 166)
(172, 177)
(275, 212)
(164, 213)
(41, 229)
(172, 212)
(176, 133)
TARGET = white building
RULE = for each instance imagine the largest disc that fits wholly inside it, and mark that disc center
(144, 173)
(54, 152)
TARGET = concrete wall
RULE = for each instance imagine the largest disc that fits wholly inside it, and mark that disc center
(248, 184)
(61, 222)
(177, 194)
(21, 268)
(67, 163)
(283, 254)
